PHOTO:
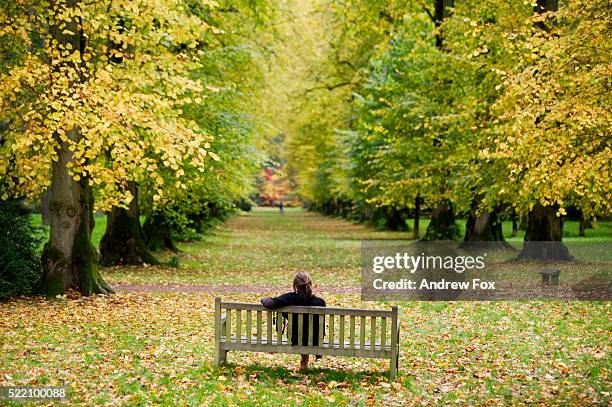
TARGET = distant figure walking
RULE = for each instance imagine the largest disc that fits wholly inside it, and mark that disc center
(281, 207)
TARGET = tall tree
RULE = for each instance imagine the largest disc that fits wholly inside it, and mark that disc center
(123, 241)
(553, 141)
(69, 258)
(81, 125)
(442, 225)
(543, 224)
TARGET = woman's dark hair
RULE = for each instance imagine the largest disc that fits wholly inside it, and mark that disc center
(302, 284)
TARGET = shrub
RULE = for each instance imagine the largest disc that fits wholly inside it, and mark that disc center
(20, 266)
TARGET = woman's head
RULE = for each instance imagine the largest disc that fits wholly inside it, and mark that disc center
(302, 284)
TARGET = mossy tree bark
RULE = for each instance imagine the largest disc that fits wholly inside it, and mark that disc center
(69, 258)
(158, 232)
(123, 242)
(442, 225)
(543, 239)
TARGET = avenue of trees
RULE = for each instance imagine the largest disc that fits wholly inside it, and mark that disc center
(166, 111)
(482, 109)
(135, 108)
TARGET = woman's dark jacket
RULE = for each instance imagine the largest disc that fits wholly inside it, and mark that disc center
(295, 299)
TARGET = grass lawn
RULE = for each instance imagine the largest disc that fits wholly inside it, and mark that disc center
(264, 248)
(142, 348)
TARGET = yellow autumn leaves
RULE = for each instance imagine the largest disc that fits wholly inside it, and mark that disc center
(122, 90)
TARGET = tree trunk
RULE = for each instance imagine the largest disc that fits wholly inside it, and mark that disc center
(544, 235)
(543, 238)
(442, 225)
(69, 258)
(441, 11)
(158, 233)
(44, 208)
(543, 6)
(515, 225)
(396, 219)
(484, 227)
(417, 215)
(582, 226)
(123, 241)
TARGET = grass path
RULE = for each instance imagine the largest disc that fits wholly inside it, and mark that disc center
(263, 248)
(151, 347)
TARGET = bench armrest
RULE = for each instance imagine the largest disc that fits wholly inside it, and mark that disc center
(223, 323)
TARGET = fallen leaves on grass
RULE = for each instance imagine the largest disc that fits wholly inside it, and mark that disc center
(158, 348)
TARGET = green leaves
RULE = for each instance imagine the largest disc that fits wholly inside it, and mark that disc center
(506, 110)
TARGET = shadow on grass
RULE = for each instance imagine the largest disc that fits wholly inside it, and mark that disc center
(317, 374)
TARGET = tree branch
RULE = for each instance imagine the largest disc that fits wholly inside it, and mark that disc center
(328, 87)
(431, 16)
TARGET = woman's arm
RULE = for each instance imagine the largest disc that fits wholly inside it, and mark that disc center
(278, 302)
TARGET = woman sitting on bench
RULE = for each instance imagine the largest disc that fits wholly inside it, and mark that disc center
(302, 295)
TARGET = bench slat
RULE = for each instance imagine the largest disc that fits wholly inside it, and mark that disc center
(284, 341)
(286, 347)
(269, 328)
(362, 332)
(249, 321)
(352, 332)
(279, 326)
(321, 329)
(310, 328)
(258, 326)
(238, 323)
(383, 331)
(300, 338)
(289, 327)
(228, 324)
(311, 310)
(372, 330)
(331, 328)
(342, 331)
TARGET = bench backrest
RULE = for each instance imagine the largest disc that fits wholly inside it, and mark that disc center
(347, 328)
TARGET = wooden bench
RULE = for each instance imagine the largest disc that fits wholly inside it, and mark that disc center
(250, 327)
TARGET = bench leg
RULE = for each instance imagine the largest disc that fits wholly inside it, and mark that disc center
(393, 368)
(394, 362)
(220, 357)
